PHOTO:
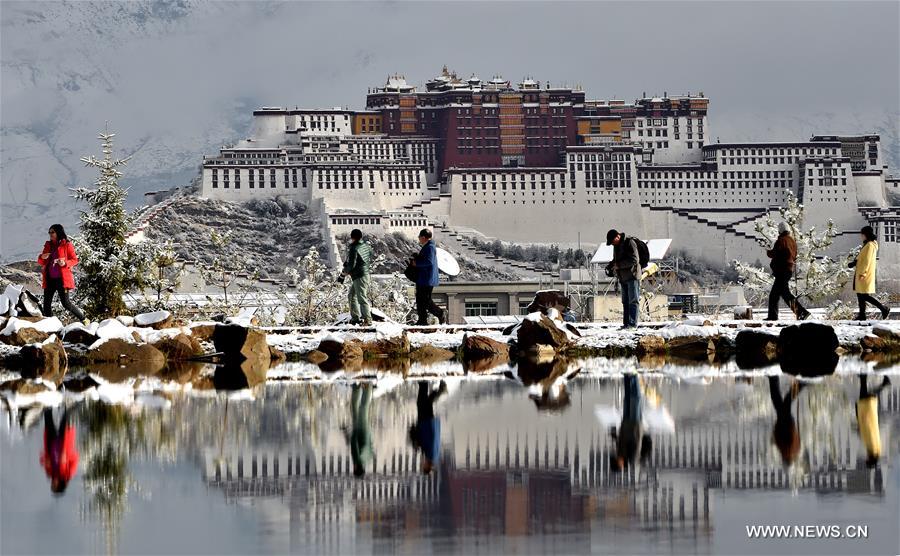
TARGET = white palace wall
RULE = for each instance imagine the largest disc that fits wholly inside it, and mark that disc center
(708, 208)
(550, 210)
(387, 187)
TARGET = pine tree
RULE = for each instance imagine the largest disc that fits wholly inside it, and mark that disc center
(109, 265)
(816, 276)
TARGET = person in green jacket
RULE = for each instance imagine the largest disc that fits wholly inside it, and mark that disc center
(359, 256)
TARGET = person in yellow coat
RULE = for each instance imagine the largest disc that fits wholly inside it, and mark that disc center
(867, 418)
(864, 277)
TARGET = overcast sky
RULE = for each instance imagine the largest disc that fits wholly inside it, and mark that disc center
(178, 79)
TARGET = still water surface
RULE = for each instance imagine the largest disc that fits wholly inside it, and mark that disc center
(338, 468)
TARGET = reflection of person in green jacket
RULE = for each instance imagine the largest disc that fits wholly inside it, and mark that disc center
(359, 257)
(360, 436)
(867, 418)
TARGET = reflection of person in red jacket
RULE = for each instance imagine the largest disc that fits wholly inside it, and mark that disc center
(60, 456)
(57, 260)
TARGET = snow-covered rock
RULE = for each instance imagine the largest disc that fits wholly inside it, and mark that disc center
(127, 320)
(156, 319)
(112, 328)
(77, 333)
(49, 325)
(384, 330)
(11, 295)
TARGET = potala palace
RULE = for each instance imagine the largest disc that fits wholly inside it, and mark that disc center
(539, 163)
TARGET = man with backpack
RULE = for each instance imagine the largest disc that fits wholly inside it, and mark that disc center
(359, 257)
(630, 255)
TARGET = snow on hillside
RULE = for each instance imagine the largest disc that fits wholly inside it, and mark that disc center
(269, 234)
(59, 89)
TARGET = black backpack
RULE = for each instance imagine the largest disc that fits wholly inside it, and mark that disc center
(643, 252)
(410, 272)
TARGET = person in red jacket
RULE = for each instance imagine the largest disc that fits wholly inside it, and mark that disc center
(57, 260)
(60, 456)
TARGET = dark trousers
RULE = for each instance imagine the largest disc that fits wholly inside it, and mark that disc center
(52, 432)
(425, 401)
(425, 305)
(864, 298)
(781, 289)
(631, 293)
(56, 285)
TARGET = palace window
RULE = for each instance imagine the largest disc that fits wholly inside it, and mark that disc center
(481, 308)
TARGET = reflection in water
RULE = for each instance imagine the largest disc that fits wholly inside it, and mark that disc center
(631, 442)
(425, 434)
(867, 418)
(360, 436)
(785, 433)
(59, 456)
(473, 466)
(505, 475)
(111, 437)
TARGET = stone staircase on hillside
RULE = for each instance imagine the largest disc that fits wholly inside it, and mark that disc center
(417, 205)
(691, 214)
(431, 207)
(146, 216)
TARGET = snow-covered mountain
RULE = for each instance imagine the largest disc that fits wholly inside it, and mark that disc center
(60, 88)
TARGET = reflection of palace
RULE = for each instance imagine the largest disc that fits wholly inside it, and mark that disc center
(494, 486)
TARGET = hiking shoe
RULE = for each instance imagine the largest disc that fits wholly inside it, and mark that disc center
(804, 315)
(885, 313)
(442, 318)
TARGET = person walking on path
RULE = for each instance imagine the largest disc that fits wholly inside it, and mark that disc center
(784, 258)
(59, 457)
(426, 279)
(360, 435)
(864, 276)
(359, 257)
(867, 418)
(625, 266)
(57, 260)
